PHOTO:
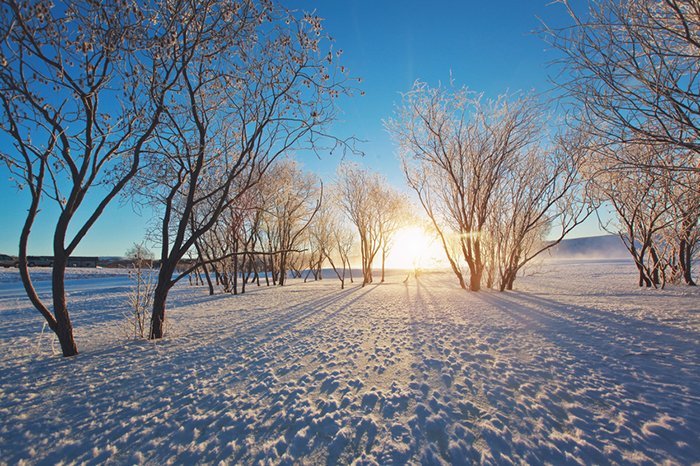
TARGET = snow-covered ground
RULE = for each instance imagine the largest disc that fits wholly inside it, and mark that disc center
(42, 274)
(577, 367)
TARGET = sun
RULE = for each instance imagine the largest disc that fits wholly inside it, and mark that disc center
(413, 248)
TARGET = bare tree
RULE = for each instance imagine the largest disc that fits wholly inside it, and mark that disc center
(225, 247)
(633, 69)
(256, 84)
(359, 193)
(684, 230)
(141, 293)
(344, 241)
(294, 201)
(540, 201)
(456, 152)
(319, 240)
(332, 238)
(83, 89)
(392, 214)
(231, 246)
(640, 204)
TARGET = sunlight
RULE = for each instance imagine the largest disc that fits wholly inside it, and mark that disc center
(413, 248)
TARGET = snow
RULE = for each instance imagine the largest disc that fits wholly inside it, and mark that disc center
(41, 274)
(578, 366)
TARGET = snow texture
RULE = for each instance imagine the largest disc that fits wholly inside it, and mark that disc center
(577, 367)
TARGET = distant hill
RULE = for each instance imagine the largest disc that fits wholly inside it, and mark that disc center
(594, 247)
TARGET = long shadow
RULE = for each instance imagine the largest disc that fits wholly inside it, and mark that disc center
(666, 369)
(586, 322)
(176, 300)
(592, 333)
(292, 316)
(117, 388)
(598, 359)
(257, 361)
(238, 358)
(188, 401)
(610, 317)
(107, 304)
(336, 313)
(416, 316)
(423, 325)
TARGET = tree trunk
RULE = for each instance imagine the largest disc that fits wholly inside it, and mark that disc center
(217, 275)
(383, 261)
(511, 280)
(475, 280)
(254, 264)
(273, 271)
(282, 269)
(204, 267)
(160, 296)
(23, 267)
(367, 276)
(235, 273)
(244, 277)
(224, 281)
(643, 279)
(158, 315)
(209, 282)
(656, 266)
(363, 251)
(64, 327)
(508, 278)
(59, 322)
(685, 262)
(64, 331)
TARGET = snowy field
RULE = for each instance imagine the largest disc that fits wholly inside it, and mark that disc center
(42, 274)
(578, 366)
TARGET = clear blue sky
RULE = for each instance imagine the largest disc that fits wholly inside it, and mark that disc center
(490, 47)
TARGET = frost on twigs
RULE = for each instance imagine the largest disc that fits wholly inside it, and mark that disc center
(140, 296)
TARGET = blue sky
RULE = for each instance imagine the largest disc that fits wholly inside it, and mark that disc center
(491, 47)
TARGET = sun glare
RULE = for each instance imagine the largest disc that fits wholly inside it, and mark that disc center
(413, 248)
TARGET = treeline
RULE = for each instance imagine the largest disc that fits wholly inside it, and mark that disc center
(192, 109)
(292, 225)
(494, 184)
(499, 177)
(182, 106)
(632, 80)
